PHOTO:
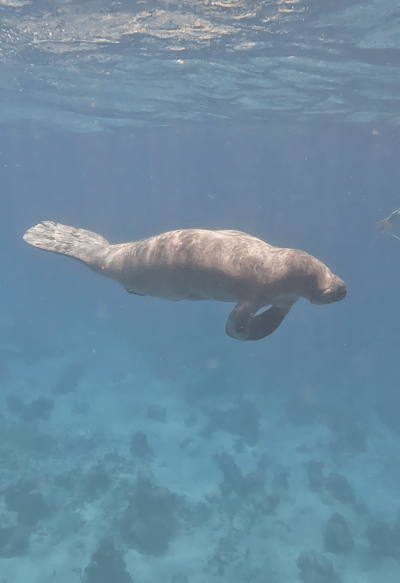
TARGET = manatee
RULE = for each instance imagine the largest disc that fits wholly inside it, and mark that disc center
(197, 264)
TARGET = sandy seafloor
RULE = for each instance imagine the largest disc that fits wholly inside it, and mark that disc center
(230, 485)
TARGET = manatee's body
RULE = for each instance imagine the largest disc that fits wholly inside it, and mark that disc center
(195, 264)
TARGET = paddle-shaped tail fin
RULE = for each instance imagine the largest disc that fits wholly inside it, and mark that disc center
(77, 243)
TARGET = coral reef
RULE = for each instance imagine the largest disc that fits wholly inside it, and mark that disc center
(234, 481)
(95, 483)
(316, 568)
(384, 540)
(38, 409)
(152, 519)
(337, 535)
(139, 446)
(14, 541)
(336, 484)
(23, 498)
(340, 488)
(315, 478)
(106, 566)
(157, 413)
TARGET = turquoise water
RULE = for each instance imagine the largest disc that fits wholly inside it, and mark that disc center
(138, 441)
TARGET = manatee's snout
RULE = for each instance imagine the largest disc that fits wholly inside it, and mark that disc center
(340, 292)
(335, 292)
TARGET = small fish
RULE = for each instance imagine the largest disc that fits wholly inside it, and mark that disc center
(391, 224)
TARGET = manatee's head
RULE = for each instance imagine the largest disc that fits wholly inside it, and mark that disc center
(314, 280)
(329, 289)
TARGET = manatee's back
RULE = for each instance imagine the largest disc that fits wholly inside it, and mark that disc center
(195, 264)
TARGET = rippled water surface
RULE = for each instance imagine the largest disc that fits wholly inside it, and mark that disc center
(92, 65)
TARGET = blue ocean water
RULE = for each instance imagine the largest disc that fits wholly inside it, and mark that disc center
(138, 441)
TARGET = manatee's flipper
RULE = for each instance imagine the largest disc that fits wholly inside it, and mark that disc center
(80, 244)
(239, 320)
(267, 322)
(243, 325)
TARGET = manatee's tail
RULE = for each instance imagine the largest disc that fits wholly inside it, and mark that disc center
(77, 243)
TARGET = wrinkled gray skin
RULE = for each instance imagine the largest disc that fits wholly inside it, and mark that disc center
(194, 264)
